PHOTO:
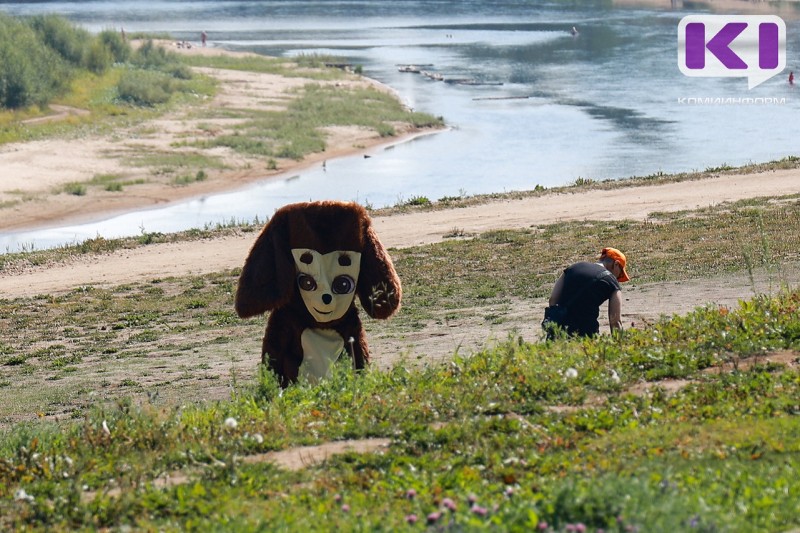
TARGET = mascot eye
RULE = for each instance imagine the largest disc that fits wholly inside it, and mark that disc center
(306, 282)
(343, 284)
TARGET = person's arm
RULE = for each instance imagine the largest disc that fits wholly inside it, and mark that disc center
(555, 295)
(615, 311)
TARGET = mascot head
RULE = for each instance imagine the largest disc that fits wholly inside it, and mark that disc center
(322, 254)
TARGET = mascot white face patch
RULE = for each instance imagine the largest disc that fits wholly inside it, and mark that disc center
(327, 282)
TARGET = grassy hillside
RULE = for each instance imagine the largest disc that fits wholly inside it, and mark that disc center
(551, 436)
(687, 424)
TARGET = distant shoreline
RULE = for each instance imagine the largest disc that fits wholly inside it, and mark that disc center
(33, 170)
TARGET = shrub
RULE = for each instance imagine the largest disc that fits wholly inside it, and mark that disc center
(70, 42)
(145, 87)
(418, 201)
(153, 57)
(75, 189)
(98, 57)
(119, 49)
(31, 73)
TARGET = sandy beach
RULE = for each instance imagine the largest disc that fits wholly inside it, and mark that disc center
(36, 172)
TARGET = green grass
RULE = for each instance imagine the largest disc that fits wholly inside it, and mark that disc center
(298, 130)
(170, 163)
(473, 440)
(311, 66)
(126, 381)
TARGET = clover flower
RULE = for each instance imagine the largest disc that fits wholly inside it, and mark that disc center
(449, 504)
(478, 510)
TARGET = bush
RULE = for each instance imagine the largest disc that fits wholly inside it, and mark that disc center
(30, 71)
(39, 56)
(119, 49)
(98, 57)
(145, 87)
(70, 42)
(153, 57)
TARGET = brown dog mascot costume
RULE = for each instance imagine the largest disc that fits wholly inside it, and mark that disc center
(306, 266)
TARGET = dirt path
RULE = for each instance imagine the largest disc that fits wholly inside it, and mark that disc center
(60, 112)
(401, 231)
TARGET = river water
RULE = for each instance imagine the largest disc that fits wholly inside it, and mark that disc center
(607, 103)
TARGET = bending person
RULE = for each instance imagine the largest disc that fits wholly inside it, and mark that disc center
(582, 289)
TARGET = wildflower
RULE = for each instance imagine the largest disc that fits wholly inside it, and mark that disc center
(231, 423)
(614, 376)
(345, 508)
(434, 517)
(478, 510)
(258, 438)
(411, 519)
(449, 504)
(542, 526)
(411, 494)
(571, 373)
(580, 528)
(472, 499)
(22, 496)
(337, 498)
(509, 491)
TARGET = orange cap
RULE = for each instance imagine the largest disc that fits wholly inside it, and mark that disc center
(619, 257)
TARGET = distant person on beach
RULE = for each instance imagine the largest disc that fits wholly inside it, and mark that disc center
(574, 31)
(203, 37)
(577, 295)
(791, 78)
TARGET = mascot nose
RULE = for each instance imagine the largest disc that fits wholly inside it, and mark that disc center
(327, 299)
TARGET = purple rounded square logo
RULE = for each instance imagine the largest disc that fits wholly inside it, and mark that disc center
(747, 46)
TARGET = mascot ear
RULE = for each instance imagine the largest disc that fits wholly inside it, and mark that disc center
(378, 285)
(268, 277)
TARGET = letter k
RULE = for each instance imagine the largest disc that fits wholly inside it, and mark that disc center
(719, 45)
